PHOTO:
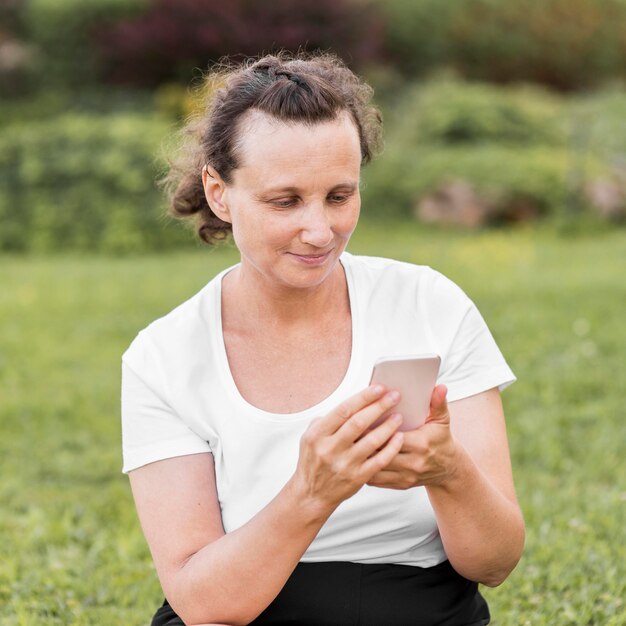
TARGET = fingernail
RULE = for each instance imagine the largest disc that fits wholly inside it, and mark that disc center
(397, 418)
(394, 396)
(377, 389)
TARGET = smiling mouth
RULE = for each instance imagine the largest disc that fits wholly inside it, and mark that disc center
(312, 259)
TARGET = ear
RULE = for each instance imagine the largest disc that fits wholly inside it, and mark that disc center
(215, 192)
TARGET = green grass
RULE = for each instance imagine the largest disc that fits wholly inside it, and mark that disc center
(71, 551)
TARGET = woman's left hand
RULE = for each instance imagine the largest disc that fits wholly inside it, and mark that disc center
(429, 454)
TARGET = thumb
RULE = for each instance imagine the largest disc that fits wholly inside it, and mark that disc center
(439, 406)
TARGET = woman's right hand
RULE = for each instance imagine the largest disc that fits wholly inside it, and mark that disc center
(339, 453)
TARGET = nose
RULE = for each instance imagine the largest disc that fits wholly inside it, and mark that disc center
(316, 228)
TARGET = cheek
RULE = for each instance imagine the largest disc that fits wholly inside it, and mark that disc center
(348, 220)
(244, 233)
(246, 221)
(257, 230)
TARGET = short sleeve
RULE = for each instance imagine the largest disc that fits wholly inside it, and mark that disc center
(471, 360)
(151, 430)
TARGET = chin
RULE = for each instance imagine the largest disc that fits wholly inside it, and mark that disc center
(309, 277)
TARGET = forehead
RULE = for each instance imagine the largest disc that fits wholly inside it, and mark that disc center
(271, 148)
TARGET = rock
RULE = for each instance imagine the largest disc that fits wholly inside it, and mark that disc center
(517, 210)
(13, 54)
(607, 198)
(454, 203)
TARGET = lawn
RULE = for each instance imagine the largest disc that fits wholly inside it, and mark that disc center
(71, 551)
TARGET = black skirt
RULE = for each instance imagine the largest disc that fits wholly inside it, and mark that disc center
(355, 594)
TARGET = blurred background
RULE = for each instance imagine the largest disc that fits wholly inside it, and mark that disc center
(504, 167)
(497, 112)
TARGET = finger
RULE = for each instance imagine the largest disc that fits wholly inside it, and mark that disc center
(340, 415)
(356, 426)
(439, 405)
(376, 438)
(390, 480)
(393, 480)
(381, 459)
(383, 477)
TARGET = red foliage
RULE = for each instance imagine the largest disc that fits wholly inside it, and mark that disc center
(175, 36)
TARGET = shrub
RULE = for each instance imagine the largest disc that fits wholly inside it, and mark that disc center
(83, 182)
(51, 103)
(175, 36)
(514, 183)
(453, 112)
(504, 175)
(63, 34)
(86, 181)
(600, 120)
(520, 152)
(567, 44)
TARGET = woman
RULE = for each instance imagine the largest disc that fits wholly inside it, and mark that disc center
(263, 494)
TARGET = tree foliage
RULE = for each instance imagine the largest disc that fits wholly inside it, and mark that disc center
(173, 37)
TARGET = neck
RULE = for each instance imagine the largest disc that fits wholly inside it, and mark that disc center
(280, 305)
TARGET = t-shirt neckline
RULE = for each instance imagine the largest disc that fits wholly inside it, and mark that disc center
(339, 394)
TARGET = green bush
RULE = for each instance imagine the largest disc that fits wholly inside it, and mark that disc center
(453, 112)
(517, 148)
(600, 120)
(417, 34)
(84, 182)
(516, 182)
(63, 33)
(567, 44)
(505, 175)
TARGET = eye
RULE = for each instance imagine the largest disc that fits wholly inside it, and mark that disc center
(338, 198)
(284, 203)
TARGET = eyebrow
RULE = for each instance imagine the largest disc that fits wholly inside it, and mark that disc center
(350, 186)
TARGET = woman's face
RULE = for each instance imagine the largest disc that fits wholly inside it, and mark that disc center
(294, 201)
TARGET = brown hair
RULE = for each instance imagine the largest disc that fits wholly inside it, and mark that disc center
(309, 88)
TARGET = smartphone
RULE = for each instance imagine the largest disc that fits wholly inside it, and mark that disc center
(414, 377)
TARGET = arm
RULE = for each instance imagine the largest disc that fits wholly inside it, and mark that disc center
(204, 571)
(461, 456)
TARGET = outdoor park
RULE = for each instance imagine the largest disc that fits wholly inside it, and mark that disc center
(504, 168)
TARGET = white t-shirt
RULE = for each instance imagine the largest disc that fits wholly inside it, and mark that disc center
(179, 397)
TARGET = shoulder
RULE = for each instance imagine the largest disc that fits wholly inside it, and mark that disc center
(375, 269)
(428, 285)
(174, 337)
